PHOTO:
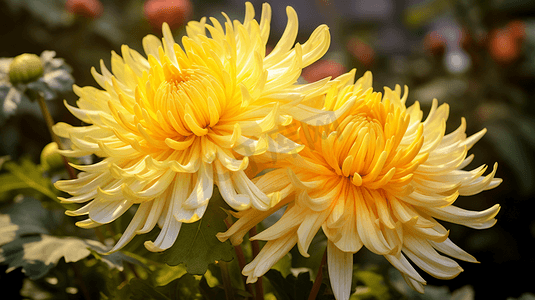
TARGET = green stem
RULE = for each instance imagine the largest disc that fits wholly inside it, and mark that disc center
(241, 262)
(227, 284)
(49, 123)
(259, 285)
(319, 278)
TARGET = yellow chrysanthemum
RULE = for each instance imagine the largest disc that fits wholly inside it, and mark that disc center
(172, 125)
(378, 177)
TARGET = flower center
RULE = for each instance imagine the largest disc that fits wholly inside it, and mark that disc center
(367, 146)
(174, 109)
(360, 141)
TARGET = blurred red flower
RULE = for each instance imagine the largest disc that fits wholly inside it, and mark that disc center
(323, 68)
(505, 43)
(175, 12)
(517, 28)
(86, 8)
(361, 51)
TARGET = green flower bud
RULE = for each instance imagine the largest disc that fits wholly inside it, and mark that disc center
(50, 158)
(25, 68)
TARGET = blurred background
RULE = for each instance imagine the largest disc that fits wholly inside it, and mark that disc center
(476, 55)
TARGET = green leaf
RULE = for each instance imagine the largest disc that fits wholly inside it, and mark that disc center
(25, 241)
(25, 217)
(183, 288)
(114, 260)
(374, 286)
(197, 245)
(11, 182)
(284, 265)
(26, 174)
(292, 288)
(211, 285)
(210, 292)
(38, 254)
(165, 274)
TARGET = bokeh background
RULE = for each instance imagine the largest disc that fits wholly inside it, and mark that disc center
(476, 55)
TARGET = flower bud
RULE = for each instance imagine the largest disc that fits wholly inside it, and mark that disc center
(25, 68)
(50, 158)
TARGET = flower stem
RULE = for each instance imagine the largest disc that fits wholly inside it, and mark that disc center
(259, 286)
(241, 262)
(49, 123)
(227, 284)
(319, 278)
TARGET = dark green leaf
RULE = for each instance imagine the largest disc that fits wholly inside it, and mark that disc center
(185, 287)
(209, 292)
(292, 288)
(38, 254)
(25, 217)
(25, 241)
(197, 245)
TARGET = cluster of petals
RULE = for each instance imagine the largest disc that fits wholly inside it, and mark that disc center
(378, 177)
(171, 125)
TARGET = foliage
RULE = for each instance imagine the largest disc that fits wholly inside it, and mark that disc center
(374, 286)
(196, 247)
(25, 177)
(26, 241)
(292, 287)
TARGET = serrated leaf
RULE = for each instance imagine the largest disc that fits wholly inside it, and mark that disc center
(25, 241)
(38, 254)
(30, 175)
(197, 245)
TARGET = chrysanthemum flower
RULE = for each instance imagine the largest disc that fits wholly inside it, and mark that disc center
(379, 177)
(171, 125)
